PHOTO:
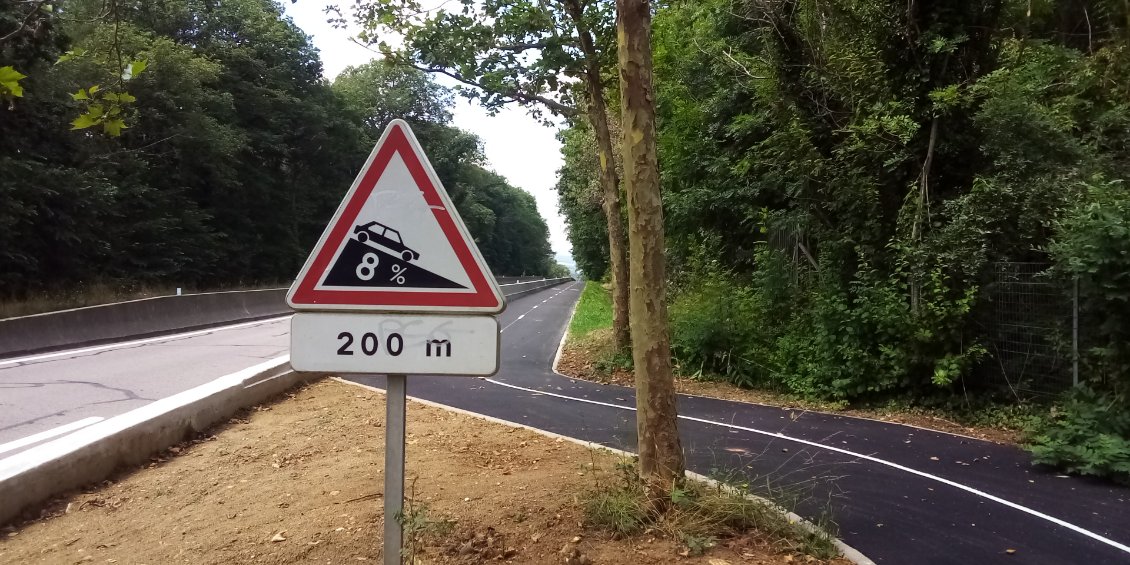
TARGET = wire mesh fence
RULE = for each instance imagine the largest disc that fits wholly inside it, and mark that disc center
(1030, 323)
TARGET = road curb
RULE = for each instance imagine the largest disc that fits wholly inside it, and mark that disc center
(97, 451)
(848, 552)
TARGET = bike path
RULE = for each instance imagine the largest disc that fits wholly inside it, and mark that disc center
(890, 498)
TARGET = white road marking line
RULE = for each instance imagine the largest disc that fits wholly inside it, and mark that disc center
(957, 485)
(120, 344)
(850, 552)
(523, 315)
(36, 438)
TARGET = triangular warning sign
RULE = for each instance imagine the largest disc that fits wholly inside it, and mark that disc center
(396, 243)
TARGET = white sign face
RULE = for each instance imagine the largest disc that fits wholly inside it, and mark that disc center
(388, 343)
(396, 243)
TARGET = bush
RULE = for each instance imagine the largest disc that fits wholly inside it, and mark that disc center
(726, 327)
(822, 339)
(1093, 247)
(862, 339)
(719, 328)
(1088, 433)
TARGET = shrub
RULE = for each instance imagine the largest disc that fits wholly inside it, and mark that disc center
(722, 326)
(1093, 247)
(1088, 433)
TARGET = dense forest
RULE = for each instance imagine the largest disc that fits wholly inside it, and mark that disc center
(844, 182)
(194, 143)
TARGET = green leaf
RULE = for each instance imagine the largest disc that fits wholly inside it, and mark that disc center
(133, 69)
(86, 120)
(10, 81)
(126, 98)
(80, 95)
(93, 89)
(113, 127)
(9, 74)
(72, 54)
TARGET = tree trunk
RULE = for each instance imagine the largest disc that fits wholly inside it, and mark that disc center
(610, 183)
(661, 454)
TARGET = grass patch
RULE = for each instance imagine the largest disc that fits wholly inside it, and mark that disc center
(698, 515)
(594, 311)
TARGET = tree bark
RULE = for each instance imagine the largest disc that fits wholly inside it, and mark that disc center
(609, 181)
(661, 454)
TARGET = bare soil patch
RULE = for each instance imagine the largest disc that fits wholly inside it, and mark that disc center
(300, 481)
(580, 359)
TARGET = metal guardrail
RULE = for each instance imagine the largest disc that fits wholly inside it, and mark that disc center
(164, 314)
(518, 289)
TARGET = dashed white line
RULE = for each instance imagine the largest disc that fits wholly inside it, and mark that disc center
(893, 465)
(523, 315)
(48, 434)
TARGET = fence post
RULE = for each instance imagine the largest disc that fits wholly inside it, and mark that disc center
(1075, 333)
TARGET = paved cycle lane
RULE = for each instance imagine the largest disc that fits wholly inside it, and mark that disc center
(898, 494)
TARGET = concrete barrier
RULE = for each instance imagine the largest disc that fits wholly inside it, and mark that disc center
(502, 281)
(518, 289)
(95, 452)
(136, 318)
(164, 314)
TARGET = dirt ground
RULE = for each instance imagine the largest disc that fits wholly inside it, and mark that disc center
(300, 481)
(577, 361)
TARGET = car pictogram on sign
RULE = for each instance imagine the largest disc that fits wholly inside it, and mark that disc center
(378, 235)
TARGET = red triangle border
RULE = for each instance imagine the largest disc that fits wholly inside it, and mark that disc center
(304, 295)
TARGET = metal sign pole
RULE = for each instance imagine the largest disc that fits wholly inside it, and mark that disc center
(394, 467)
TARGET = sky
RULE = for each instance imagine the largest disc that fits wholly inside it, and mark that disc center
(516, 146)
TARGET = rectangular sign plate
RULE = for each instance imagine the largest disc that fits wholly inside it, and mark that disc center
(420, 344)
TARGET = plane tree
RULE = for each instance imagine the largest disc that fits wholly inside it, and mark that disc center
(547, 56)
(661, 454)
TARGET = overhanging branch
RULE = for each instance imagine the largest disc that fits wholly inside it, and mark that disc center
(513, 95)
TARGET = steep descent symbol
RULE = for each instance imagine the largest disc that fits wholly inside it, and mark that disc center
(396, 243)
(376, 256)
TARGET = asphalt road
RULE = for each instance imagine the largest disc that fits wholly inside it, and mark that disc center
(43, 394)
(898, 494)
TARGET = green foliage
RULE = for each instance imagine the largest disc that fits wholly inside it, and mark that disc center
(619, 506)
(107, 107)
(558, 271)
(718, 328)
(613, 360)
(10, 83)
(1093, 248)
(593, 311)
(511, 52)
(821, 340)
(579, 199)
(236, 154)
(591, 328)
(1087, 433)
(837, 180)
